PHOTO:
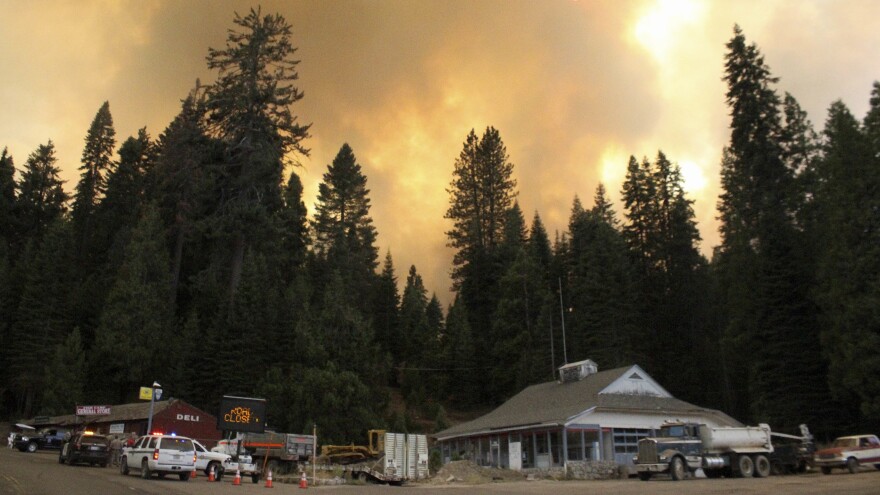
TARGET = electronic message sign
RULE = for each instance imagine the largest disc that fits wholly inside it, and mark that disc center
(245, 414)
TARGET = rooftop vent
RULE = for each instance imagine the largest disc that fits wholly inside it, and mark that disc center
(573, 372)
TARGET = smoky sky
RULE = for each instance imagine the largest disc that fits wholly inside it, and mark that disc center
(574, 87)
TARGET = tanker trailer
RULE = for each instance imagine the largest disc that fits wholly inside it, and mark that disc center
(684, 447)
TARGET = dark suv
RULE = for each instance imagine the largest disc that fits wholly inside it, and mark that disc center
(47, 438)
(85, 447)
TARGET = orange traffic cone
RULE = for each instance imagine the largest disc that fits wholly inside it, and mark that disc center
(211, 474)
(237, 480)
(303, 482)
(269, 480)
(193, 474)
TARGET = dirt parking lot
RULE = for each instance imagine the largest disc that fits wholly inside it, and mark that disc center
(838, 483)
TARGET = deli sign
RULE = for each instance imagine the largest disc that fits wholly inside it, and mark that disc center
(92, 410)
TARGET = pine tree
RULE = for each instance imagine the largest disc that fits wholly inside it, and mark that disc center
(460, 356)
(386, 311)
(539, 244)
(761, 259)
(41, 197)
(137, 324)
(97, 162)
(8, 221)
(413, 320)
(482, 192)
(343, 226)
(65, 377)
(43, 316)
(602, 323)
(293, 228)
(514, 332)
(848, 220)
(249, 111)
(180, 184)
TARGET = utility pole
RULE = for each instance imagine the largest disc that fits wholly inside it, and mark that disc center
(562, 314)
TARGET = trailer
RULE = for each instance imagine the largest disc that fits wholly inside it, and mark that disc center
(405, 458)
(280, 453)
(684, 447)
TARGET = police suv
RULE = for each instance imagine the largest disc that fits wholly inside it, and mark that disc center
(160, 454)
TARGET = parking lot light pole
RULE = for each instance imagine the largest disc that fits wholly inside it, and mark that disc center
(152, 401)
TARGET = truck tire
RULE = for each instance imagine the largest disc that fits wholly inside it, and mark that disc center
(145, 470)
(677, 469)
(123, 466)
(852, 465)
(644, 475)
(826, 470)
(32, 447)
(762, 466)
(255, 478)
(745, 467)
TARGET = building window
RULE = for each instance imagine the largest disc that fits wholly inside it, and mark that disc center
(626, 440)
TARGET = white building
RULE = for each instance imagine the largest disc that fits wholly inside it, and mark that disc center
(586, 415)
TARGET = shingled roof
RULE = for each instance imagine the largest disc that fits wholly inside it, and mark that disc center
(118, 413)
(554, 404)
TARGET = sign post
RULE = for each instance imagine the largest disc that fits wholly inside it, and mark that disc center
(155, 393)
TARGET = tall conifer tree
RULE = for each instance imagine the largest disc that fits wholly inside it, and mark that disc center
(249, 111)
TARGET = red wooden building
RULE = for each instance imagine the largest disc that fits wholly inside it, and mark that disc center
(169, 417)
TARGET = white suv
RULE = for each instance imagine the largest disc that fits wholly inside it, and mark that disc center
(161, 454)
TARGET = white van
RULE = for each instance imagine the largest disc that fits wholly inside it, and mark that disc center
(160, 454)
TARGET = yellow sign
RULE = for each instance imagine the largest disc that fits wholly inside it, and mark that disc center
(146, 393)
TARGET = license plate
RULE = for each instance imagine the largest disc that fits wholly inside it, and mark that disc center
(94, 447)
(176, 457)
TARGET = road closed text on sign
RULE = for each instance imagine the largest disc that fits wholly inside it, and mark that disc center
(245, 414)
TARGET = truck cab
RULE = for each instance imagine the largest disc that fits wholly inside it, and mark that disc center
(676, 451)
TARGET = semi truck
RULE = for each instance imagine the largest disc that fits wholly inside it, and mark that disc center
(684, 447)
(272, 451)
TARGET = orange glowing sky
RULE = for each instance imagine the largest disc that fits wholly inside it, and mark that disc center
(574, 87)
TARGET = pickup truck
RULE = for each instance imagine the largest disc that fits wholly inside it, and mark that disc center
(850, 453)
(47, 438)
(223, 463)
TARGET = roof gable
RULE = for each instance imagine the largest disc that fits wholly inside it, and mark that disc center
(635, 381)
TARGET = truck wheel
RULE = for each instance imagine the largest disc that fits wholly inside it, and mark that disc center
(255, 478)
(145, 470)
(676, 469)
(215, 465)
(746, 466)
(32, 447)
(123, 466)
(826, 470)
(852, 464)
(762, 466)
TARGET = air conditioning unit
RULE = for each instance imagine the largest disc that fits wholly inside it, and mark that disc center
(573, 372)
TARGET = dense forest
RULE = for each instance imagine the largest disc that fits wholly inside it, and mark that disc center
(191, 259)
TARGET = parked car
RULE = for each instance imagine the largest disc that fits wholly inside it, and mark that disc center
(850, 453)
(85, 447)
(160, 454)
(46, 438)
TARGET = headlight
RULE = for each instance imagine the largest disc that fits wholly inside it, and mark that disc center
(25, 438)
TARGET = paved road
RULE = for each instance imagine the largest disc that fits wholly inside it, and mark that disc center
(40, 474)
